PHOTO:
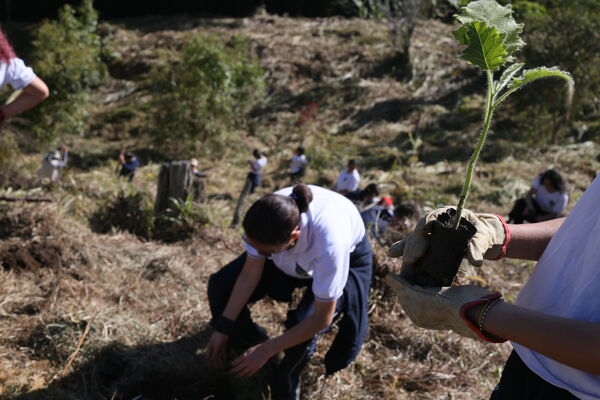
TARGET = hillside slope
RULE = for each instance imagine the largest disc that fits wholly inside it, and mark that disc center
(86, 315)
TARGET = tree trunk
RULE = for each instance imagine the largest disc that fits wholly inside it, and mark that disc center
(174, 182)
(240, 204)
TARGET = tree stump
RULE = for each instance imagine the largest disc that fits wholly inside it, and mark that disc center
(176, 181)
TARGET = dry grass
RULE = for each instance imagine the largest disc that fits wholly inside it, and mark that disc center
(144, 303)
(147, 309)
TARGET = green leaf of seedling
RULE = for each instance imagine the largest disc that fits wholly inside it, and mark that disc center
(485, 45)
(507, 75)
(530, 75)
(494, 15)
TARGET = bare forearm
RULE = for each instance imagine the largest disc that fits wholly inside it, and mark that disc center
(319, 320)
(528, 241)
(570, 342)
(242, 290)
(302, 332)
(31, 95)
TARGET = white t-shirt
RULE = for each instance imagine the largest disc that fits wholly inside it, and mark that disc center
(554, 202)
(298, 163)
(329, 232)
(566, 283)
(348, 181)
(259, 164)
(16, 74)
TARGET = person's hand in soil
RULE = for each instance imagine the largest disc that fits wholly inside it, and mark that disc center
(448, 308)
(216, 350)
(489, 242)
(251, 361)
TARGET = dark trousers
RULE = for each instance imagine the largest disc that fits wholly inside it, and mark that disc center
(279, 287)
(518, 382)
(296, 177)
(516, 215)
(255, 181)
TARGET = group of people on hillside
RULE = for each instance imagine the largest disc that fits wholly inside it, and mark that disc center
(317, 238)
(310, 237)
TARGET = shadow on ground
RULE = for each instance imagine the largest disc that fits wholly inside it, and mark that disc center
(163, 371)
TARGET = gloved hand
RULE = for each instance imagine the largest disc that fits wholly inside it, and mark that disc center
(443, 308)
(489, 242)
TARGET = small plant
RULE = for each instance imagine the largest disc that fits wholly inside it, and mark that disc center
(491, 37)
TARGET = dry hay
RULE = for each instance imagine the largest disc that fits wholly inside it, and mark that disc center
(147, 309)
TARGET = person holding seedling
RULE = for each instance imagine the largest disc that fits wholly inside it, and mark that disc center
(554, 325)
(298, 237)
(546, 199)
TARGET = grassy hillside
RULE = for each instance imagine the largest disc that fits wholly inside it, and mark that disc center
(113, 315)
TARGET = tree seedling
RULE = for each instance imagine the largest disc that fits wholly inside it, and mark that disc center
(491, 38)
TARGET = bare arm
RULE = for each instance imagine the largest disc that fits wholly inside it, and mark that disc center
(242, 290)
(244, 286)
(30, 95)
(570, 342)
(253, 359)
(528, 241)
(307, 328)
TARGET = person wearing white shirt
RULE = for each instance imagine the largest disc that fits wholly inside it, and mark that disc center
(298, 165)
(546, 199)
(554, 324)
(15, 73)
(301, 237)
(348, 179)
(256, 168)
(53, 163)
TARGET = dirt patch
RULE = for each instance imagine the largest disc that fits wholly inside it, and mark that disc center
(32, 255)
(34, 237)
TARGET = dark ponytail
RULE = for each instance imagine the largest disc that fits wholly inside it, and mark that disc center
(272, 218)
(302, 195)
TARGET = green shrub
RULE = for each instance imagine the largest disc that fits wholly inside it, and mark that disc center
(66, 55)
(563, 32)
(204, 93)
(132, 212)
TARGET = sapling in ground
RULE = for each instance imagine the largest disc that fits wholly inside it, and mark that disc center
(491, 38)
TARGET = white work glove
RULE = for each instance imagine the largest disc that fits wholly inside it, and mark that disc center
(489, 242)
(443, 308)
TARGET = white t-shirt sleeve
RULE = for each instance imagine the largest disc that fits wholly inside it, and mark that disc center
(251, 251)
(330, 269)
(330, 274)
(18, 75)
(536, 183)
(561, 203)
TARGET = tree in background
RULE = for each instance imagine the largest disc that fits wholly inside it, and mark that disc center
(66, 54)
(567, 32)
(203, 95)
